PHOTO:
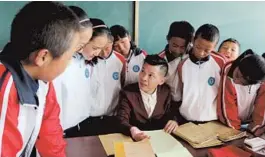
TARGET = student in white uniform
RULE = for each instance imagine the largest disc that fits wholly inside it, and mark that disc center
(134, 55)
(106, 86)
(241, 97)
(199, 77)
(179, 39)
(73, 86)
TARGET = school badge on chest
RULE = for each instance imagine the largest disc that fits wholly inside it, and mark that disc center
(87, 73)
(115, 76)
(211, 81)
(136, 68)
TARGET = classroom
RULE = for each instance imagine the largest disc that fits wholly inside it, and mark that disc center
(132, 78)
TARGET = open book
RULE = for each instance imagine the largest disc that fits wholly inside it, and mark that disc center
(208, 134)
(165, 145)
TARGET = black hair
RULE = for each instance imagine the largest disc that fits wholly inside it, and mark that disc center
(82, 16)
(263, 55)
(208, 32)
(155, 60)
(229, 40)
(252, 67)
(118, 32)
(42, 25)
(100, 28)
(181, 29)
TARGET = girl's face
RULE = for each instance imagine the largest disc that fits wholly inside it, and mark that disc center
(123, 46)
(94, 47)
(230, 50)
(85, 36)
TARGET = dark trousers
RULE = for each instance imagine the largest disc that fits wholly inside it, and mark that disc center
(93, 126)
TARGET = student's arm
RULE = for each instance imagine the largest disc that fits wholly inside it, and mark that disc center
(123, 114)
(258, 117)
(227, 109)
(50, 142)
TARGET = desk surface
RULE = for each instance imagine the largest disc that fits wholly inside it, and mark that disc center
(91, 147)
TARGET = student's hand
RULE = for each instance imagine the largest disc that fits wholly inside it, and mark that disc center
(137, 134)
(171, 126)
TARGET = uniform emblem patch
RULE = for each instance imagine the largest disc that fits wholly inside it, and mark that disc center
(115, 75)
(136, 68)
(87, 73)
(211, 81)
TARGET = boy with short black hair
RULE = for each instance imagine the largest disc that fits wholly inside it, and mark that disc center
(199, 76)
(179, 39)
(42, 43)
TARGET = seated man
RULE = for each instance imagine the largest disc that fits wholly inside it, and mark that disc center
(241, 97)
(147, 105)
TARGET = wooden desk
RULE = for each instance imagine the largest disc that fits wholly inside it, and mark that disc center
(91, 147)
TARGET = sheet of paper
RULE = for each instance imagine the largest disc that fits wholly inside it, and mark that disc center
(138, 149)
(109, 140)
(165, 145)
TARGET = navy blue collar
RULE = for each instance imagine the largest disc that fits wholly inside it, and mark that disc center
(197, 61)
(26, 87)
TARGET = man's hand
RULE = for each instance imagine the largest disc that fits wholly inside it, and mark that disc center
(171, 126)
(137, 134)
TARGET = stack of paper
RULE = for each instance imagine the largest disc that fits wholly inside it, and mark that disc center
(134, 149)
(208, 134)
(164, 145)
(109, 140)
(255, 144)
(223, 132)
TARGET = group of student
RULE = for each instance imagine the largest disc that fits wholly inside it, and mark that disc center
(64, 74)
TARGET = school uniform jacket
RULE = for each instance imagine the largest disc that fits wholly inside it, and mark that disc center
(238, 103)
(29, 115)
(131, 110)
(199, 82)
(107, 83)
(134, 65)
(172, 76)
(73, 92)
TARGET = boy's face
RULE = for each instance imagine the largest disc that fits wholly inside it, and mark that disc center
(123, 45)
(107, 50)
(202, 48)
(230, 50)
(150, 77)
(49, 67)
(177, 45)
(94, 47)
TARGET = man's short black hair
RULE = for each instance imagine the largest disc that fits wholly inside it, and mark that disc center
(157, 61)
(208, 32)
(43, 25)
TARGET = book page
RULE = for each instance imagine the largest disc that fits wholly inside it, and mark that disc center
(165, 145)
(138, 149)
